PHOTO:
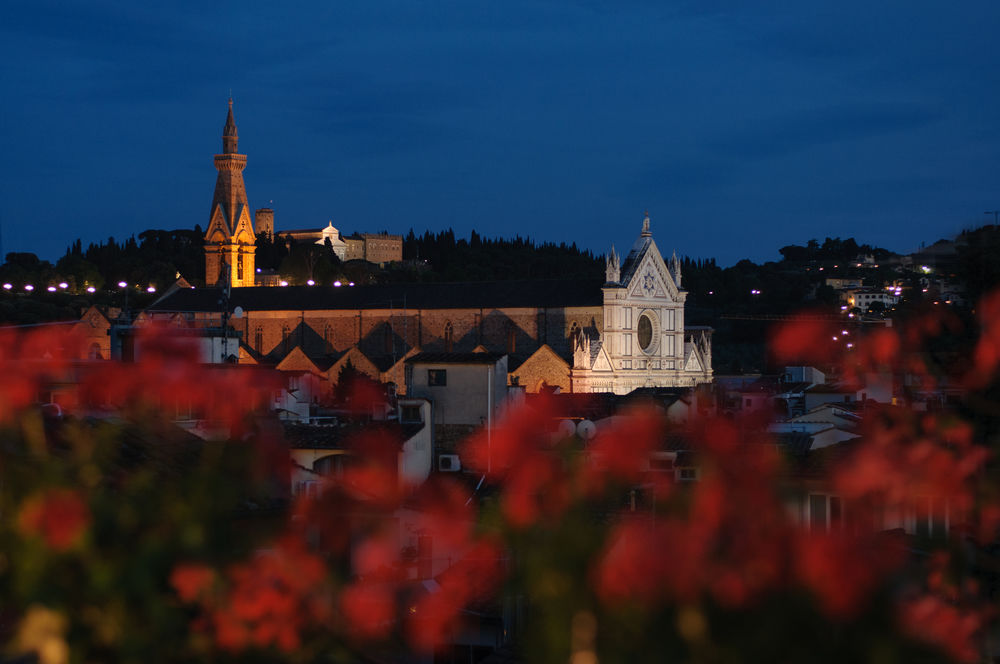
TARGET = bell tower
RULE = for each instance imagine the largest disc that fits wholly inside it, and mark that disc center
(230, 239)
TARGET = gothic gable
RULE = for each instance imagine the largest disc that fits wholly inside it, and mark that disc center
(218, 230)
(243, 231)
(651, 279)
(693, 362)
(602, 362)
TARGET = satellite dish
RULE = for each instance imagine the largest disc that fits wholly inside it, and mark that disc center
(238, 312)
(586, 429)
(566, 428)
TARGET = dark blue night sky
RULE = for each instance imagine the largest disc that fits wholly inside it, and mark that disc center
(741, 126)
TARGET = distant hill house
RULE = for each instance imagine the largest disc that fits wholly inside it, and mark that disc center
(380, 248)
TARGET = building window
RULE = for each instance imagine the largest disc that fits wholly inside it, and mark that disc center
(626, 364)
(437, 377)
(627, 318)
(668, 349)
(449, 337)
(645, 333)
(668, 323)
(239, 266)
(258, 339)
(95, 352)
(627, 346)
(410, 414)
(687, 474)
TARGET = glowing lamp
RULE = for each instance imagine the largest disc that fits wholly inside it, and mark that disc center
(91, 289)
(51, 289)
(29, 287)
(151, 289)
(351, 283)
(8, 286)
(122, 284)
(337, 284)
(311, 282)
(63, 284)
(284, 283)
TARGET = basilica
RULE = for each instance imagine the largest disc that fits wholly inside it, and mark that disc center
(612, 334)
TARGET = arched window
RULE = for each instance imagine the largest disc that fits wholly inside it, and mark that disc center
(449, 337)
(258, 339)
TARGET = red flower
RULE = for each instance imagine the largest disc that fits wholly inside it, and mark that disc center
(803, 338)
(369, 609)
(191, 580)
(59, 516)
(951, 629)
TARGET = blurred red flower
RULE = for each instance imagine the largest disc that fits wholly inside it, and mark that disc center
(58, 516)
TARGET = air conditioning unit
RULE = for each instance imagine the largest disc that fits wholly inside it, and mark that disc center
(449, 463)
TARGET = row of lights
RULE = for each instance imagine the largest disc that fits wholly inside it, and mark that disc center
(63, 286)
(122, 284)
(337, 283)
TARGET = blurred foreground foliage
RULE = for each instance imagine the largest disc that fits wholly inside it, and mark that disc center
(125, 538)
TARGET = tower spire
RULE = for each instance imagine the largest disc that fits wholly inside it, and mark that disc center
(229, 135)
(229, 241)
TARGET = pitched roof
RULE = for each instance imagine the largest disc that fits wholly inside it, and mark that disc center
(529, 293)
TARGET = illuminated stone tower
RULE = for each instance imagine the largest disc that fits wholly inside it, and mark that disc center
(229, 241)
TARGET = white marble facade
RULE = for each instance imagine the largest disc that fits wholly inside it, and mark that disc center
(643, 342)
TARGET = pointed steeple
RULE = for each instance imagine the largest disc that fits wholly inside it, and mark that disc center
(229, 240)
(612, 268)
(229, 136)
(675, 268)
